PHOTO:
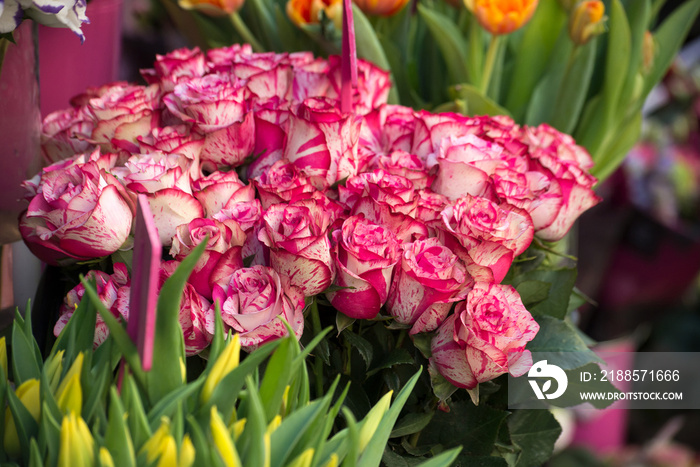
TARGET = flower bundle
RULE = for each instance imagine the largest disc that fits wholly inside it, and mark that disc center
(387, 222)
(584, 67)
(77, 408)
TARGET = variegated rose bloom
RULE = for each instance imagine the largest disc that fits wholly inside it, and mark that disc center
(165, 180)
(78, 212)
(255, 300)
(406, 165)
(297, 237)
(222, 255)
(493, 234)
(384, 130)
(270, 139)
(566, 166)
(121, 113)
(466, 164)
(174, 140)
(365, 254)
(248, 215)
(109, 288)
(215, 105)
(485, 337)
(428, 280)
(65, 133)
(181, 64)
(283, 182)
(221, 190)
(322, 142)
(394, 191)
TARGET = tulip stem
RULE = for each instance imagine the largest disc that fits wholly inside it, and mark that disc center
(318, 363)
(491, 55)
(244, 32)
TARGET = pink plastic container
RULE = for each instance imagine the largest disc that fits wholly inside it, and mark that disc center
(67, 68)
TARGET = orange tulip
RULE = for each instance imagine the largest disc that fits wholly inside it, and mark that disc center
(502, 16)
(380, 7)
(212, 7)
(586, 21)
(303, 12)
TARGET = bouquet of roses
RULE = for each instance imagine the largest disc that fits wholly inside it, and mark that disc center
(387, 222)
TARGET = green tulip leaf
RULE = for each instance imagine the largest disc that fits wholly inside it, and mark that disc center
(353, 453)
(476, 102)
(574, 88)
(277, 376)
(35, 457)
(451, 43)
(372, 454)
(638, 14)
(118, 437)
(285, 439)
(532, 54)
(137, 422)
(25, 424)
(668, 38)
(49, 434)
(444, 459)
(252, 440)
(168, 342)
(26, 357)
(626, 137)
(168, 405)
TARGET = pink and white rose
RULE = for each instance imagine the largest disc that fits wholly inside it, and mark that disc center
(297, 237)
(223, 250)
(485, 337)
(322, 142)
(255, 300)
(283, 182)
(76, 215)
(165, 179)
(365, 254)
(429, 279)
(221, 190)
(109, 288)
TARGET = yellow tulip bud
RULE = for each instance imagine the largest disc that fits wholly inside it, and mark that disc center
(3, 357)
(285, 400)
(237, 428)
(303, 460)
(29, 394)
(502, 16)
(187, 453)
(333, 461)
(212, 7)
(274, 423)
(168, 452)
(54, 368)
(76, 447)
(183, 370)
(380, 7)
(302, 12)
(71, 397)
(371, 421)
(266, 443)
(75, 369)
(586, 21)
(106, 458)
(222, 440)
(157, 442)
(224, 364)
